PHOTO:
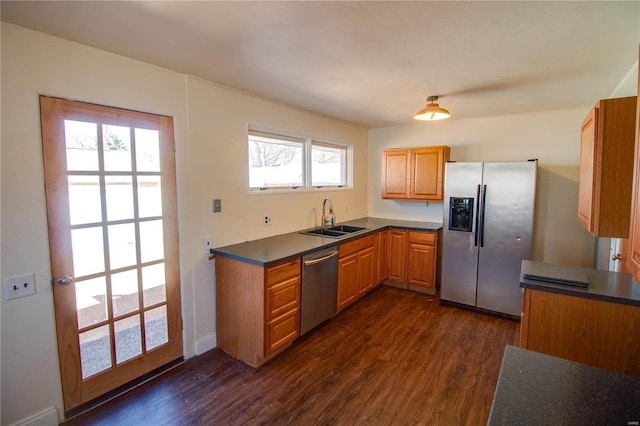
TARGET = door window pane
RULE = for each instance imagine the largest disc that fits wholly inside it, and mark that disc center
(91, 301)
(122, 245)
(153, 285)
(124, 290)
(95, 351)
(82, 145)
(151, 241)
(155, 327)
(116, 141)
(119, 191)
(147, 150)
(85, 205)
(149, 196)
(88, 251)
(128, 338)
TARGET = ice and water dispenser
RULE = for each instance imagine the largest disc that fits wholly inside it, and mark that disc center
(460, 214)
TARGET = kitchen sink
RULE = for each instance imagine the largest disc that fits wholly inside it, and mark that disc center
(334, 231)
(346, 228)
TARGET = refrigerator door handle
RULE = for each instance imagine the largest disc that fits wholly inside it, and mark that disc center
(484, 199)
(477, 216)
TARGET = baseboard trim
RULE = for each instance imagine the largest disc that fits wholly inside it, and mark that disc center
(48, 417)
(206, 343)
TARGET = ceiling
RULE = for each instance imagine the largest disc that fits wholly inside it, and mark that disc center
(370, 63)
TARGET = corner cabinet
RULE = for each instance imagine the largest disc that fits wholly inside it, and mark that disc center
(413, 259)
(258, 308)
(414, 173)
(606, 167)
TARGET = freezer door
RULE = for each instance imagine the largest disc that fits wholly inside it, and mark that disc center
(459, 248)
(506, 227)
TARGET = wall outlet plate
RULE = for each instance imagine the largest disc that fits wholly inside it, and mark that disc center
(267, 220)
(217, 205)
(19, 286)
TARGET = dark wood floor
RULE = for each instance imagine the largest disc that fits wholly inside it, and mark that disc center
(395, 358)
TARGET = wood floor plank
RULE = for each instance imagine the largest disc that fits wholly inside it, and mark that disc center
(394, 358)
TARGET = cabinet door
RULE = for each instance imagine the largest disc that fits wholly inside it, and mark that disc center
(347, 280)
(365, 270)
(397, 255)
(395, 173)
(587, 187)
(634, 244)
(427, 173)
(421, 265)
(383, 256)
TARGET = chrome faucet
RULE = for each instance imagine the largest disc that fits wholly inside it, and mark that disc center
(332, 219)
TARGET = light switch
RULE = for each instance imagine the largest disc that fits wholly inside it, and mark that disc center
(217, 205)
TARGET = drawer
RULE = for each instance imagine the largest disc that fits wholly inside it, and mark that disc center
(282, 331)
(355, 246)
(427, 238)
(283, 297)
(283, 271)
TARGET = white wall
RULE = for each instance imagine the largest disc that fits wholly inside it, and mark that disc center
(553, 137)
(210, 125)
(218, 120)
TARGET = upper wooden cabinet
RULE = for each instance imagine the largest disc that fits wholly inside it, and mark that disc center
(606, 167)
(414, 173)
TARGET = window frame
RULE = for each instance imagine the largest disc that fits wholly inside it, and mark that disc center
(307, 141)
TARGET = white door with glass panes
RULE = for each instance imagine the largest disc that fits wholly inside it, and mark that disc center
(112, 216)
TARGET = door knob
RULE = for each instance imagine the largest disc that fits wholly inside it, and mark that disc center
(65, 279)
(616, 257)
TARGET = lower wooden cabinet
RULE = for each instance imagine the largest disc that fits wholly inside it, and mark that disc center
(397, 255)
(283, 305)
(413, 259)
(421, 259)
(593, 332)
(381, 255)
(356, 272)
(257, 308)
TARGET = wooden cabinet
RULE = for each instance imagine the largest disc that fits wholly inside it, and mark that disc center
(588, 331)
(413, 259)
(283, 305)
(397, 255)
(382, 256)
(414, 174)
(257, 308)
(356, 273)
(421, 259)
(606, 168)
(634, 243)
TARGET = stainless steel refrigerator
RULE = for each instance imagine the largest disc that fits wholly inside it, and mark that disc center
(487, 233)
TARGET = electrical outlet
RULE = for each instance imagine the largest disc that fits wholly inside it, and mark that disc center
(19, 286)
(206, 242)
(267, 220)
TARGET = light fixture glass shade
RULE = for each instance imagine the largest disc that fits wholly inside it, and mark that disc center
(432, 111)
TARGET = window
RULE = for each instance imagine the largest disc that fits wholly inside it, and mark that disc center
(278, 161)
(328, 164)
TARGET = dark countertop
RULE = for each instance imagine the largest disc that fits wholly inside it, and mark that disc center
(538, 389)
(280, 247)
(616, 287)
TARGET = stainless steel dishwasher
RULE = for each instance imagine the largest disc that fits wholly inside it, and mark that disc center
(319, 295)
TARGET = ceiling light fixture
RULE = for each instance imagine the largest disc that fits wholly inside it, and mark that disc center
(432, 111)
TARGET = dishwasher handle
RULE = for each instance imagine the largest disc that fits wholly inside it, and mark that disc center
(315, 260)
